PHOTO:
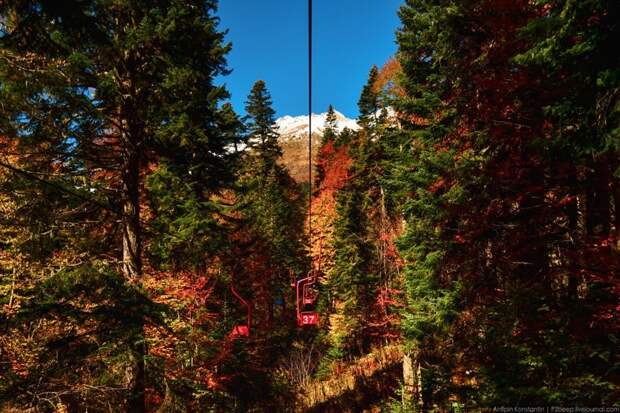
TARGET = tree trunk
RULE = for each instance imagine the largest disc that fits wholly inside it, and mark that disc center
(573, 237)
(598, 203)
(132, 248)
(132, 270)
(616, 196)
(412, 380)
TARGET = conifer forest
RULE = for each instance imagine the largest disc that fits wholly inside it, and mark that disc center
(456, 250)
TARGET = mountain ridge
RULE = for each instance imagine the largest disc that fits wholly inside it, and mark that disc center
(296, 127)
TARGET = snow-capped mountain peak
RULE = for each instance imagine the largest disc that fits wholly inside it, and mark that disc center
(296, 127)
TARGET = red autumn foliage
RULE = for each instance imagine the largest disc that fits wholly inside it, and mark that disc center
(388, 79)
(335, 162)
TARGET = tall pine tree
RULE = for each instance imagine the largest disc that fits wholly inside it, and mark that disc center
(330, 133)
(92, 91)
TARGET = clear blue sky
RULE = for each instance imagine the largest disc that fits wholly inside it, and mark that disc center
(270, 40)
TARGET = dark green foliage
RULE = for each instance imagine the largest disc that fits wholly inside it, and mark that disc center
(344, 137)
(187, 223)
(85, 320)
(79, 46)
(98, 93)
(351, 281)
(567, 35)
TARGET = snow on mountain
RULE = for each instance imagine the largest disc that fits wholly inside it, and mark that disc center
(294, 139)
(296, 127)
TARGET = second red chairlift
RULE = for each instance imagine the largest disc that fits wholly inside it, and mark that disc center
(242, 330)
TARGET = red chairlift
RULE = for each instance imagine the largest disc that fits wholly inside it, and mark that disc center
(242, 330)
(306, 294)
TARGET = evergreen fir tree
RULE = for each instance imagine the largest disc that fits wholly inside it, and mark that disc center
(351, 281)
(269, 201)
(330, 134)
(233, 127)
(330, 130)
(369, 100)
(269, 193)
(261, 123)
